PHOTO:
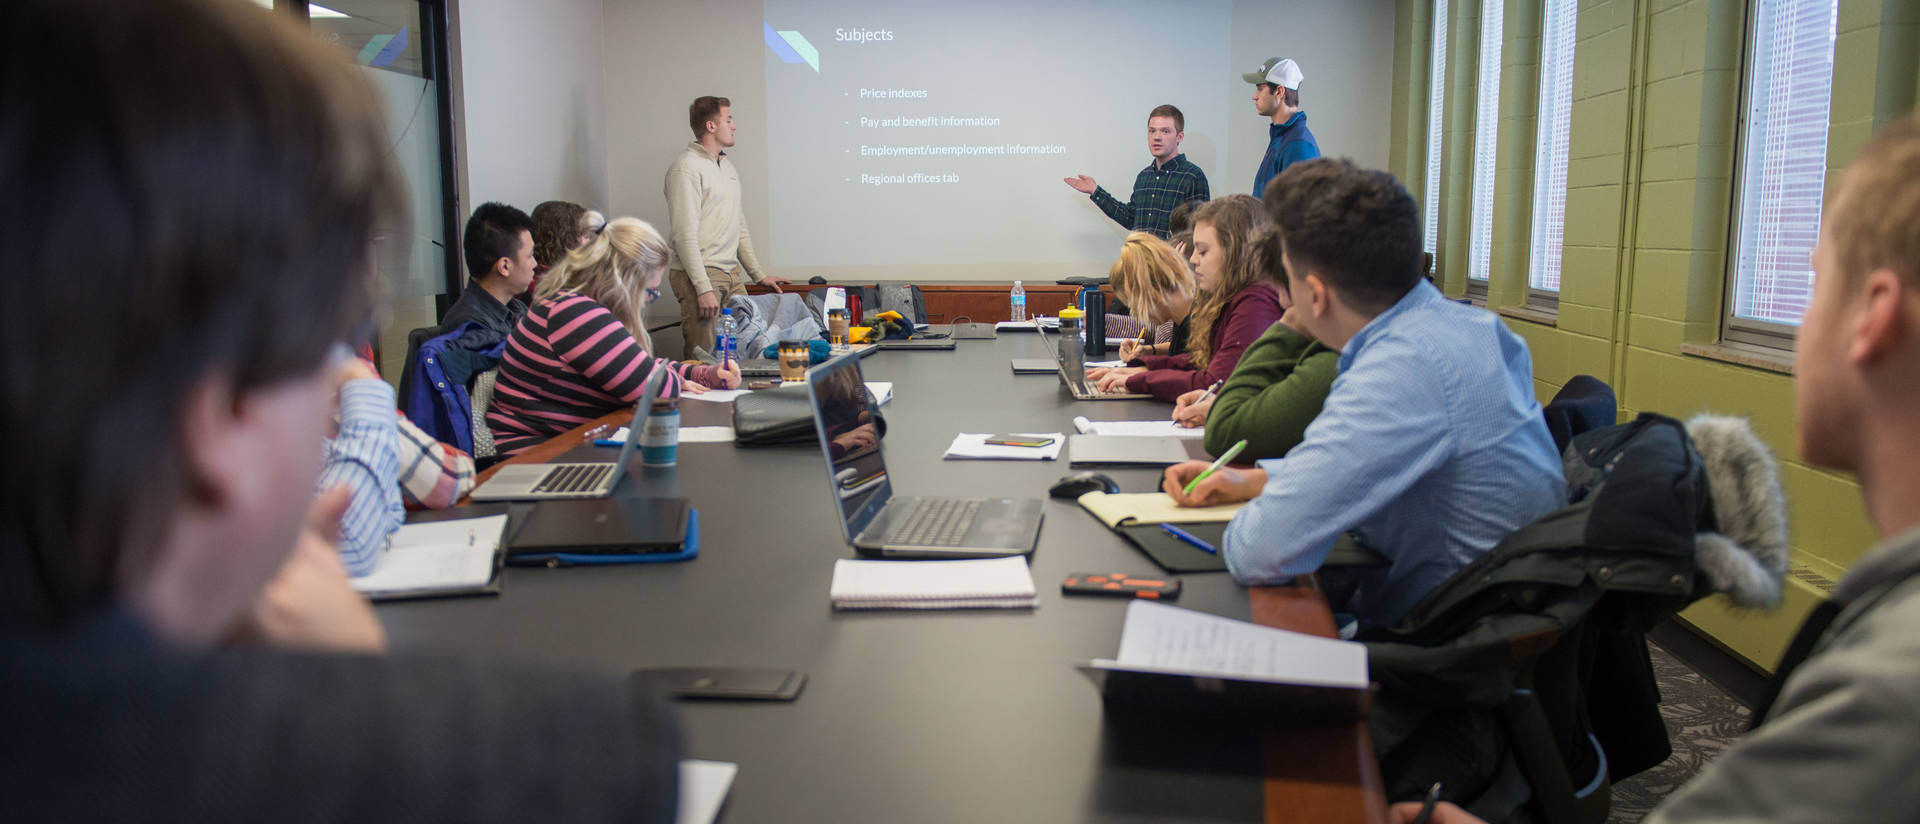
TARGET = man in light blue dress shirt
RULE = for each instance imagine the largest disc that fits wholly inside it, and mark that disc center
(1430, 447)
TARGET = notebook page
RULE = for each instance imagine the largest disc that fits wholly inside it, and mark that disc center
(1155, 429)
(1151, 508)
(1167, 638)
(436, 555)
(974, 446)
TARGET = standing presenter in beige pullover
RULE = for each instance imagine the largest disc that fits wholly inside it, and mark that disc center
(711, 248)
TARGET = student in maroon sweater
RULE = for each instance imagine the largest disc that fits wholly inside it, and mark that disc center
(1237, 303)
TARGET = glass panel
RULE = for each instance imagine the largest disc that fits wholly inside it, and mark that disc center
(1486, 141)
(1784, 158)
(1550, 154)
(384, 38)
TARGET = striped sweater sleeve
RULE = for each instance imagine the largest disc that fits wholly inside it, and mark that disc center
(591, 341)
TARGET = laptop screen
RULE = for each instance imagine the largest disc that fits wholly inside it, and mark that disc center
(843, 416)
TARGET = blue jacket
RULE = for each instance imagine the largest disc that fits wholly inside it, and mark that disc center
(437, 399)
(1288, 143)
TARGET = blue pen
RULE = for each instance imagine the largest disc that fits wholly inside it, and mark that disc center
(1187, 537)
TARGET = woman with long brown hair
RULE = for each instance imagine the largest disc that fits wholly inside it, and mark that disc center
(1236, 304)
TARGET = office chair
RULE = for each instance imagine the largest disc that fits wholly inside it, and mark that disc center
(1522, 681)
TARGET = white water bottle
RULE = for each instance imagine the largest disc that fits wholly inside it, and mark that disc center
(724, 342)
(1019, 297)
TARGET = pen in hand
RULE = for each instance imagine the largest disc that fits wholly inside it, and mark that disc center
(1224, 458)
(1210, 390)
(1426, 807)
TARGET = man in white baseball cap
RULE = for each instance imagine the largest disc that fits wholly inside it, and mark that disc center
(1276, 95)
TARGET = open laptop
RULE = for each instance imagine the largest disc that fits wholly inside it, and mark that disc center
(759, 368)
(542, 482)
(1076, 380)
(920, 339)
(871, 518)
(967, 331)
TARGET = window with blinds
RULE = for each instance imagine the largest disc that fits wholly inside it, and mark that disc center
(1550, 151)
(1436, 105)
(1783, 166)
(1486, 141)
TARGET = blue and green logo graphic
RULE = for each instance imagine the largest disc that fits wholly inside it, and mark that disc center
(792, 47)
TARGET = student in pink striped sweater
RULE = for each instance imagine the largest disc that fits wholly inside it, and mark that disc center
(582, 350)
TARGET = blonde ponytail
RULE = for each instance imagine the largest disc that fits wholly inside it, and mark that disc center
(613, 270)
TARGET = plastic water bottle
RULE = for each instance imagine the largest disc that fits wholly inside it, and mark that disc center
(1019, 297)
(725, 344)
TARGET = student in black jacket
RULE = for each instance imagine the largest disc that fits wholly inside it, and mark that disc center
(178, 640)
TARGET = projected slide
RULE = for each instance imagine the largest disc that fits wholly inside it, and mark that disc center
(918, 133)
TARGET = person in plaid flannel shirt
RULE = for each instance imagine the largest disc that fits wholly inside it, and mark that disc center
(1170, 180)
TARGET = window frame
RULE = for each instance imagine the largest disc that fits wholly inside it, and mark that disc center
(1733, 328)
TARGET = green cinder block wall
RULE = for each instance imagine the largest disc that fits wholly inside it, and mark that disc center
(1656, 92)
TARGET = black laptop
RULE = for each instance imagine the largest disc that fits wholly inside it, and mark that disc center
(604, 526)
(871, 518)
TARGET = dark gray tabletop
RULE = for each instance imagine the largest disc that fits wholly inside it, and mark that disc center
(973, 715)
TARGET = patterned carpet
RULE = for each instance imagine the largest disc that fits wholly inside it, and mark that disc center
(1701, 720)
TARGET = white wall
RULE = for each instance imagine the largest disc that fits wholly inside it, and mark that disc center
(586, 99)
(534, 102)
(1345, 51)
(672, 53)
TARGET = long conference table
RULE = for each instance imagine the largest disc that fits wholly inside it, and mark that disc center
(964, 715)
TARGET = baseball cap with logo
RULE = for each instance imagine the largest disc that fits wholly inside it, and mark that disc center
(1280, 71)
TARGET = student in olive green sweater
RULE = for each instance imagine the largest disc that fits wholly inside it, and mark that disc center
(1275, 390)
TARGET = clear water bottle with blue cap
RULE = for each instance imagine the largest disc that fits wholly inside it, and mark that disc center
(1019, 298)
(725, 342)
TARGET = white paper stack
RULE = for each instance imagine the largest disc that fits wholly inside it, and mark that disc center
(988, 583)
(973, 446)
(688, 434)
(715, 395)
(1145, 429)
(1167, 639)
(882, 391)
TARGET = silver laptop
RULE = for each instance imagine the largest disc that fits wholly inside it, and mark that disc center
(1076, 381)
(871, 518)
(544, 482)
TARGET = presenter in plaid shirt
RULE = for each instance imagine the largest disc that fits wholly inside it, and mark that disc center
(1170, 180)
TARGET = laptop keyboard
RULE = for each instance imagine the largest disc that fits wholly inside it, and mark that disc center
(573, 478)
(935, 522)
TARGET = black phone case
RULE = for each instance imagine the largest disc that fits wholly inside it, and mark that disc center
(730, 683)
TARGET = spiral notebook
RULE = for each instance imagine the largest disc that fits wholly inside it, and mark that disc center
(990, 583)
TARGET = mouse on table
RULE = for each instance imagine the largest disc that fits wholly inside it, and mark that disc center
(1081, 483)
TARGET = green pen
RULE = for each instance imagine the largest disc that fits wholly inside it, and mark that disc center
(1231, 451)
